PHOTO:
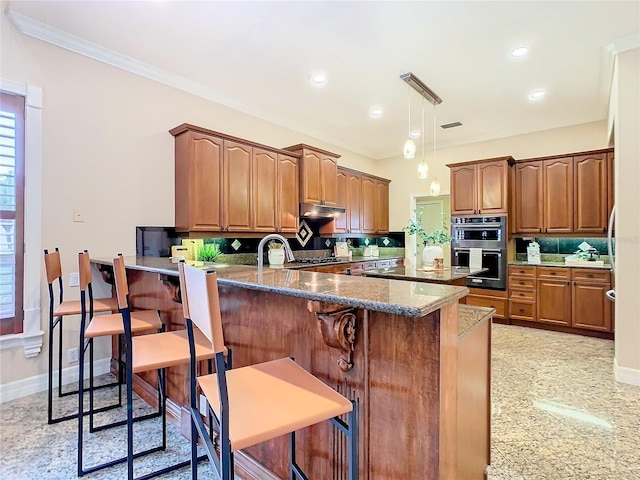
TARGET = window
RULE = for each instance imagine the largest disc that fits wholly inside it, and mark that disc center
(12, 126)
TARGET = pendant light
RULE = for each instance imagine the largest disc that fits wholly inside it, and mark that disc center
(434, 188)
(409, 149)
(423, 168)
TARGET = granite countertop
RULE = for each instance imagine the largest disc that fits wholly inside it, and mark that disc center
(405, 298)
(422, 275)
(470, 316)
(606, 266)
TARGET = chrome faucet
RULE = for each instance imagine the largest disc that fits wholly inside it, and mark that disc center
(274, 236)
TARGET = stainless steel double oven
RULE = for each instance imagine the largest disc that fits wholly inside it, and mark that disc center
(488, 234)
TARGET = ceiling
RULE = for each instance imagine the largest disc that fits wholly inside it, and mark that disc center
(258, 57)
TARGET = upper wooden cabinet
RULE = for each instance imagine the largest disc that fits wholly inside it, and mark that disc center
(341, 222)
(382, 206)
(568, 194)
(480, 187)
(318, 175)
(226, 184)
(590, 192)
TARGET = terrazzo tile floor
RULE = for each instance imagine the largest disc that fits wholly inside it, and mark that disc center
(557, 414)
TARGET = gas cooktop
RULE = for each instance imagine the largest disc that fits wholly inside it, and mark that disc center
(317, 260)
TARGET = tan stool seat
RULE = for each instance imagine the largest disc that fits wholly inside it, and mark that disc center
(104, 325)
(272, 399)
(73, 307)
(167, 349)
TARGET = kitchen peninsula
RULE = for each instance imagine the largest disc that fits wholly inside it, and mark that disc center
(415, 361)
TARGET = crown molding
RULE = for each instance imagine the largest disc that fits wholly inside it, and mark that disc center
(60, 38)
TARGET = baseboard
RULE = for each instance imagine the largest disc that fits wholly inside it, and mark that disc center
(39, 383)
(625, 375)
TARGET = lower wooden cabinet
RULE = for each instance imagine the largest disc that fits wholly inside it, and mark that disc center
(356, 268)
(567, 297)
(497, 299)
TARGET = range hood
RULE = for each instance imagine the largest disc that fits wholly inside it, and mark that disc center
(311, 210)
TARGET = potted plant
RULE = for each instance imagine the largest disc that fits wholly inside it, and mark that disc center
(432, 241)
(209, 252)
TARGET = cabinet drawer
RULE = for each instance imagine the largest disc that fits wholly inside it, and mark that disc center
(522, 283)
(384, 263)
(522, 310)
(522, 270)
(499, 304)
(370, 265)
(561, 273)
(527, 295)
(591, 275)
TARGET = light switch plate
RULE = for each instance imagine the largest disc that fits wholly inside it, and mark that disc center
(74, 280)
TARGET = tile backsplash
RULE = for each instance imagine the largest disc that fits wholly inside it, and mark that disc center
(562, 246)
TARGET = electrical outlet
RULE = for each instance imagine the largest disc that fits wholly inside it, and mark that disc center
(74, 280)
(73, 355)
(203, 405)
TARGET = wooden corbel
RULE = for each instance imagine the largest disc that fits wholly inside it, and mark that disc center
(337, 325)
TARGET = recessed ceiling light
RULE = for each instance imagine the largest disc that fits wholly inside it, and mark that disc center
(415, 133)
(519, 52)
(376, 112)
(536, 95)
(318, 79)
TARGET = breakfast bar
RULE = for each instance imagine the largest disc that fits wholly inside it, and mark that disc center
(415, 361)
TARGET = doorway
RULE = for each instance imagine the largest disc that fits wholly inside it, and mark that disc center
(435, 213)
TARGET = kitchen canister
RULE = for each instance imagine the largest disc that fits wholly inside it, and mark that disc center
(533, 253)
(276, 256)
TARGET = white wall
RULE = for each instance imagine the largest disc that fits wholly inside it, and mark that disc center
(107, 151)
(626, 111)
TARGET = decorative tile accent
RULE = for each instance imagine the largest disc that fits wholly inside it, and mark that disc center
(236, 244)
(327, 242)
(386, 242)
(304, 233)
(366, 241)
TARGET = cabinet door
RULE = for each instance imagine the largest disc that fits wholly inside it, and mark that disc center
(199, 174)
(554, 302)
(238, 183)
(311, 177)
(463, 190)
(558, 195)
(329, 176)
(369, 197)
(341, 222)
(382, 207)
(265, 172)
(590, 193)
(287, 204)
(591, 309)
(528, 194)
(492, 187)
(354, 202)
(611, 198)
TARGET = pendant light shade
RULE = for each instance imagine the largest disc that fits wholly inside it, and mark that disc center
(409, 150)
(434, 188)
(423, 170)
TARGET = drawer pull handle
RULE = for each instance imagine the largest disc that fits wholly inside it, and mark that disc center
(553, 273)
(521, 283)
(522, 310)
(590, 275)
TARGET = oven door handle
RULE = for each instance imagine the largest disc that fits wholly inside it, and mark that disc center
(476, 226)
(497, 251)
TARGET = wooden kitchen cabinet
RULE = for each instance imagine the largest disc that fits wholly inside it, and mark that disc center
(528, 203)
(522, 292)
(591, 309)
(369, 199)
(554, 301)
(287, 206)
(318, 175)
(227, 184)
(558, 195)
(483, 297)
(198, 182)
(590, 193)
(354, 202)
(480, 187)
(382, 206)
(611, 199)
(572, 193)
(341, 222)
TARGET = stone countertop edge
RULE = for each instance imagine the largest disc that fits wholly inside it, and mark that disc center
(342, 260)
(606, 266)
(470, 317)
(435, 301)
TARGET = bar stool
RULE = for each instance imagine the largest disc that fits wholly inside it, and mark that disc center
(103, 326)
(157, 351)
(63, 309)
(290, 398)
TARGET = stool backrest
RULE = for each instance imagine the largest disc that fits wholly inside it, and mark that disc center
(122, 287)
(201, 303)
(84, 270)
(52, 265)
